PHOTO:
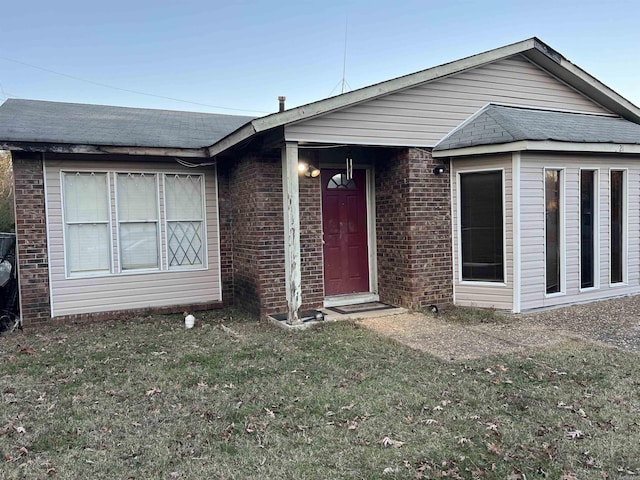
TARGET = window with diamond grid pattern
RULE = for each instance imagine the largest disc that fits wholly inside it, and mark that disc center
(185, 220)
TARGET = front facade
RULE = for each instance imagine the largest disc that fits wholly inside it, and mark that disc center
(384, 193)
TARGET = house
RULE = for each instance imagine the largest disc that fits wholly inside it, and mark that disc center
(509, 179)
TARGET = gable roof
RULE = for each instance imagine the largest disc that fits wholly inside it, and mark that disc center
(71, 123)
(533, 49)
(53, 126)
(501, 125)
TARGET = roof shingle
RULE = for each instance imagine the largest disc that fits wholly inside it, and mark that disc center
(79, 124)
(495, 124)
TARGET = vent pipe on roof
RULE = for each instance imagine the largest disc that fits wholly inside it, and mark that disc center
(281, 100)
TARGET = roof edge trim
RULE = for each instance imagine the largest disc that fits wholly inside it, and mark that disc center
(234, 138)
(540, 146)
(103, 150)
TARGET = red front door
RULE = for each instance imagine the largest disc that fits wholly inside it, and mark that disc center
(344, 224)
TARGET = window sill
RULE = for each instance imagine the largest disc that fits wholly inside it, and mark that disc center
(554, 295)
(156, 271)
(589, 289)
(481, 283)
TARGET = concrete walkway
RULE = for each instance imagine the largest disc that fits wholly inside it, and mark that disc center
(456, 341)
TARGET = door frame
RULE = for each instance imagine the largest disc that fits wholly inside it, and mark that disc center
(370, 195)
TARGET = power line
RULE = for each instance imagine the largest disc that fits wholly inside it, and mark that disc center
(126, 89)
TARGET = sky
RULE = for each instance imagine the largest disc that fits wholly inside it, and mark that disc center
(237, 57)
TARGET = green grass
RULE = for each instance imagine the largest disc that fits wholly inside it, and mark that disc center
(149, 399)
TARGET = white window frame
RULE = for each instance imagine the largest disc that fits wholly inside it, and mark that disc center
(596, 227)
(562, 233)
(205, 261)
(625, 226)
(114, 230)
(483, 283)
(65, 240)
(118, 223)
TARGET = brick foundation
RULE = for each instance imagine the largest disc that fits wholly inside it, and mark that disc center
(413, 228)
(31, 237)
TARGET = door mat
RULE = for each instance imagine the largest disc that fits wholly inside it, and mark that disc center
(305, 316)
(361, 308)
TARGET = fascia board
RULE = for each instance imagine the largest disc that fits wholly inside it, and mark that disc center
(535, 145)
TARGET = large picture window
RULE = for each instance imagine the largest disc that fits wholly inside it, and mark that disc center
(86, 219)
(481, 221)
(147, 207)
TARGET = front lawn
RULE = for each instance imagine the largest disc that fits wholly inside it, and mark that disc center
(237, 399)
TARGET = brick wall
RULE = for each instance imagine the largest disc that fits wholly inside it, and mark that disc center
(255, 191)
(255, 219)
(413, 227)
(225, 214)
(311, 237)
(31, 237)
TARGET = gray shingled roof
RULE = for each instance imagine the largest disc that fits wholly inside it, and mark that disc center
(79, 124)
(496, 124)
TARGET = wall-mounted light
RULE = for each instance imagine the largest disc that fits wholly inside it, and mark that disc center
(308, 170)
(438, 169)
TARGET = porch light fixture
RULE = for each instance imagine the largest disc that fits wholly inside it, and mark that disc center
(439, 169)
(308, 170)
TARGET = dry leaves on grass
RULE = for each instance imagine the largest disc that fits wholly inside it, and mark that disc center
(389, 442)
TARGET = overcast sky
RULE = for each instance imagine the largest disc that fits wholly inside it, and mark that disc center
(238, 56)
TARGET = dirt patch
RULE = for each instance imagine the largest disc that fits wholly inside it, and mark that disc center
(613, 322)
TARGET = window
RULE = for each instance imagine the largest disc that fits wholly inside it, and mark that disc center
(185, 220)
(553, 207)
(86, 223)
(481, 223)
(340, 180)
(587, 228)
(137, 221)
(147, 207)
(617, 225)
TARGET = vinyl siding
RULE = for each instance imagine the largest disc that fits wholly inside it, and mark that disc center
(113, 292)
(422, 115)
(498, 295)
(532, 227)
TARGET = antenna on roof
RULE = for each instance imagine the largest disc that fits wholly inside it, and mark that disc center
(344, 59)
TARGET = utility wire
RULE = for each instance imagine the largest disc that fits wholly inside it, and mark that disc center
(126, 89)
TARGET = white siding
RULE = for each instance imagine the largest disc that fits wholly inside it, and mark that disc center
(498, 295)
(133, 290)
(422, 115)
(532, 227)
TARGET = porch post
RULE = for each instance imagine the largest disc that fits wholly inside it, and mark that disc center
(291, 204)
